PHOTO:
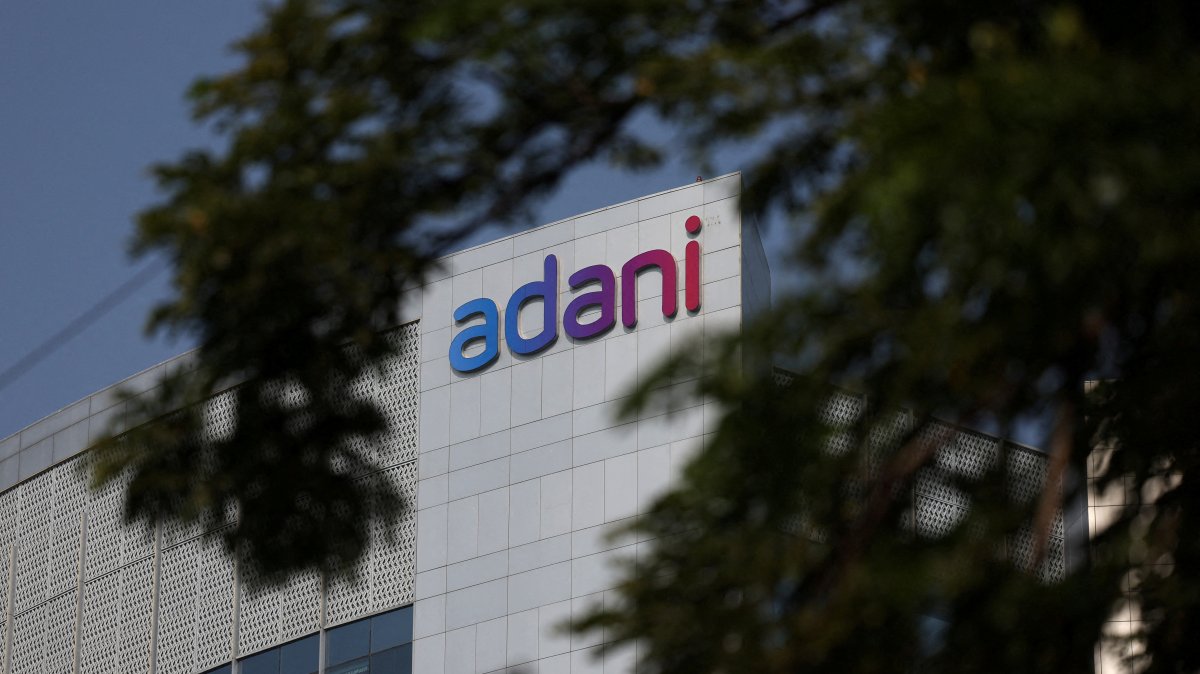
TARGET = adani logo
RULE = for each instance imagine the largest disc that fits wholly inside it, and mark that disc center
(484, 316)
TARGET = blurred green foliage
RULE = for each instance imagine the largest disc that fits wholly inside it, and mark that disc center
(990, 204)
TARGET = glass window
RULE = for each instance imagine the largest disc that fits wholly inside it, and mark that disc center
(359, 666)
(380, 644)
(391, 629)
(345, 643)
(223, 669)
(261, 663)
(392, 661)
(301, 657)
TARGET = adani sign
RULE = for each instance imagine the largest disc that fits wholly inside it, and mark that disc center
(604, 297)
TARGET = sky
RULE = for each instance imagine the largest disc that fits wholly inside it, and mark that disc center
(92, 94)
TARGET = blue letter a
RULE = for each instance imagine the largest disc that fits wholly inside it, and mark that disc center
(488, 331)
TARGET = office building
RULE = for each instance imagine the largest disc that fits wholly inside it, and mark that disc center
(503, 433)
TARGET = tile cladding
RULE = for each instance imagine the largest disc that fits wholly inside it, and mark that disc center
(525, 464)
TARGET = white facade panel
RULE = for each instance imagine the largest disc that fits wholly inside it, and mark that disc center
(540, 462)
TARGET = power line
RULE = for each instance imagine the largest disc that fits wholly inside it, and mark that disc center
(81, 323)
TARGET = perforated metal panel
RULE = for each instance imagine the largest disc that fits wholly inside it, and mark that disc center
(258, 625)
(939, 505)
(935, 518)
(27, 639)
(386, 573)
(115, 634)
(397, 394)
(57, 527)
(62, 560)
(300, 606)
(392, 562)
(8, 536)
(133, 640)
(841, 410)
(1021, 552)
(220, 415)
(177, 615)
(270, 616)
(214, 606)
(116, 621)
(58, 635)
(174, 533)
(33, 544)
(349, 598)
(969, 455)
(387, 570)
(101, 628)
(1027, 475)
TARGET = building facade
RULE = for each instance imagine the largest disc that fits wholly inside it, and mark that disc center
(504, 434)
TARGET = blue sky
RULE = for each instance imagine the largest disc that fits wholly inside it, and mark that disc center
(91, 93)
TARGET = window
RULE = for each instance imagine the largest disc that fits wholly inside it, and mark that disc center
(298, 657)
(380, 644)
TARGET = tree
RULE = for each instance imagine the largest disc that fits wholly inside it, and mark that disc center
(992, 205)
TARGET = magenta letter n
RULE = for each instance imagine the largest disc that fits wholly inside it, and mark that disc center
(651, 258)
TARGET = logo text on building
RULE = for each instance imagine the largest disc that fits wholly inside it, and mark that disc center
(603, 297)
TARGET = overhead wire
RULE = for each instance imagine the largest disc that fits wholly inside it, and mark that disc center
(82, 322)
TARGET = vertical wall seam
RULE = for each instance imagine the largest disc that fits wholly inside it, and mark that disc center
(156, 581)
(322, 622)
(77, 650)
(10, 601)
(235, 623)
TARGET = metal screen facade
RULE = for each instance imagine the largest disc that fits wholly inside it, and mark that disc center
(85, 593)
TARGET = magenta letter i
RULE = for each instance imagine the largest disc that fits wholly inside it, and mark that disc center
(691, 266)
